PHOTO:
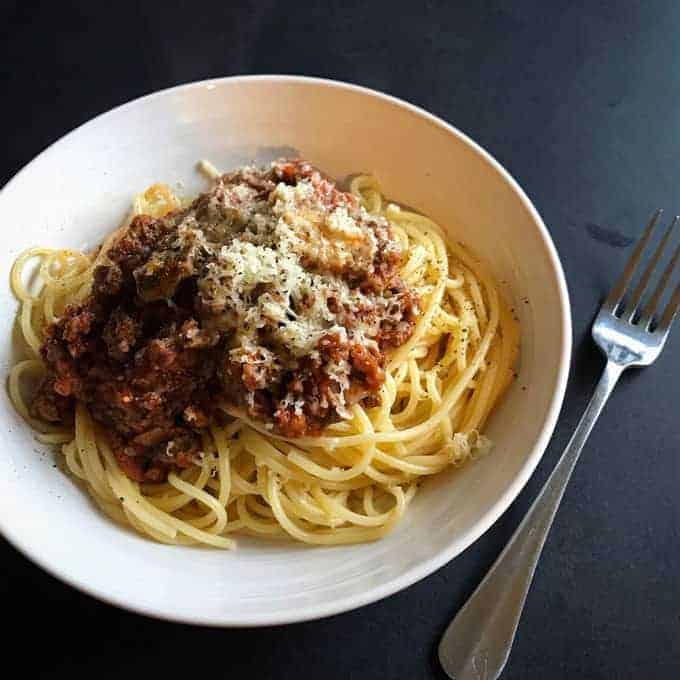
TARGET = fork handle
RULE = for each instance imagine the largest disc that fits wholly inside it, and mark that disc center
(477, 643)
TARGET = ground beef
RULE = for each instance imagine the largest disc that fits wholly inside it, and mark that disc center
(48, 404)
(151, 359)
(137, 243)
(143, 370)
(397, 327)
(107, 281)
(120, 334)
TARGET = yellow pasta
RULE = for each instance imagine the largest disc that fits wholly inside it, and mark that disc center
(354, 481)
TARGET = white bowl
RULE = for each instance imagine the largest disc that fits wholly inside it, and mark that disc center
(80, 188)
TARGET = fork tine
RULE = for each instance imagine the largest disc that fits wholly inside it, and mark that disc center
(644, 281)
(670, 311)
(616, 295)
(650, 308)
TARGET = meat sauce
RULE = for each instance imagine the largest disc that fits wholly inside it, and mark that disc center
(235, 300)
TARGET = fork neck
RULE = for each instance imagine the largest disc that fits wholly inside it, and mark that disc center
(610, 376)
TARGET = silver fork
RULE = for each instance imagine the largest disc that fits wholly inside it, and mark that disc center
(477, 643)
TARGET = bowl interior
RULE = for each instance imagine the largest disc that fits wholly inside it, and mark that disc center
(80, 188)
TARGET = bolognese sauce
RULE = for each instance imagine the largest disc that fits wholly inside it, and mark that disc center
(274, 293)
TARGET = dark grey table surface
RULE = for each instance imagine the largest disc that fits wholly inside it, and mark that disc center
(581, 102)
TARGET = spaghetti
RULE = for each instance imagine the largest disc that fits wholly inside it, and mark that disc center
(352, 482)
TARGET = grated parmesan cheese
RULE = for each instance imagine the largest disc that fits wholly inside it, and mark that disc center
(281, 253)
(279, 266)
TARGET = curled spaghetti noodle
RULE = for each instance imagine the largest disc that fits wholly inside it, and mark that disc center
(351, 484)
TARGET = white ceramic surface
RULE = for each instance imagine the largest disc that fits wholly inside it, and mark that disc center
(80, 188)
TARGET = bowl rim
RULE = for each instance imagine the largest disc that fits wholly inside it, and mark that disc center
(425, 567)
